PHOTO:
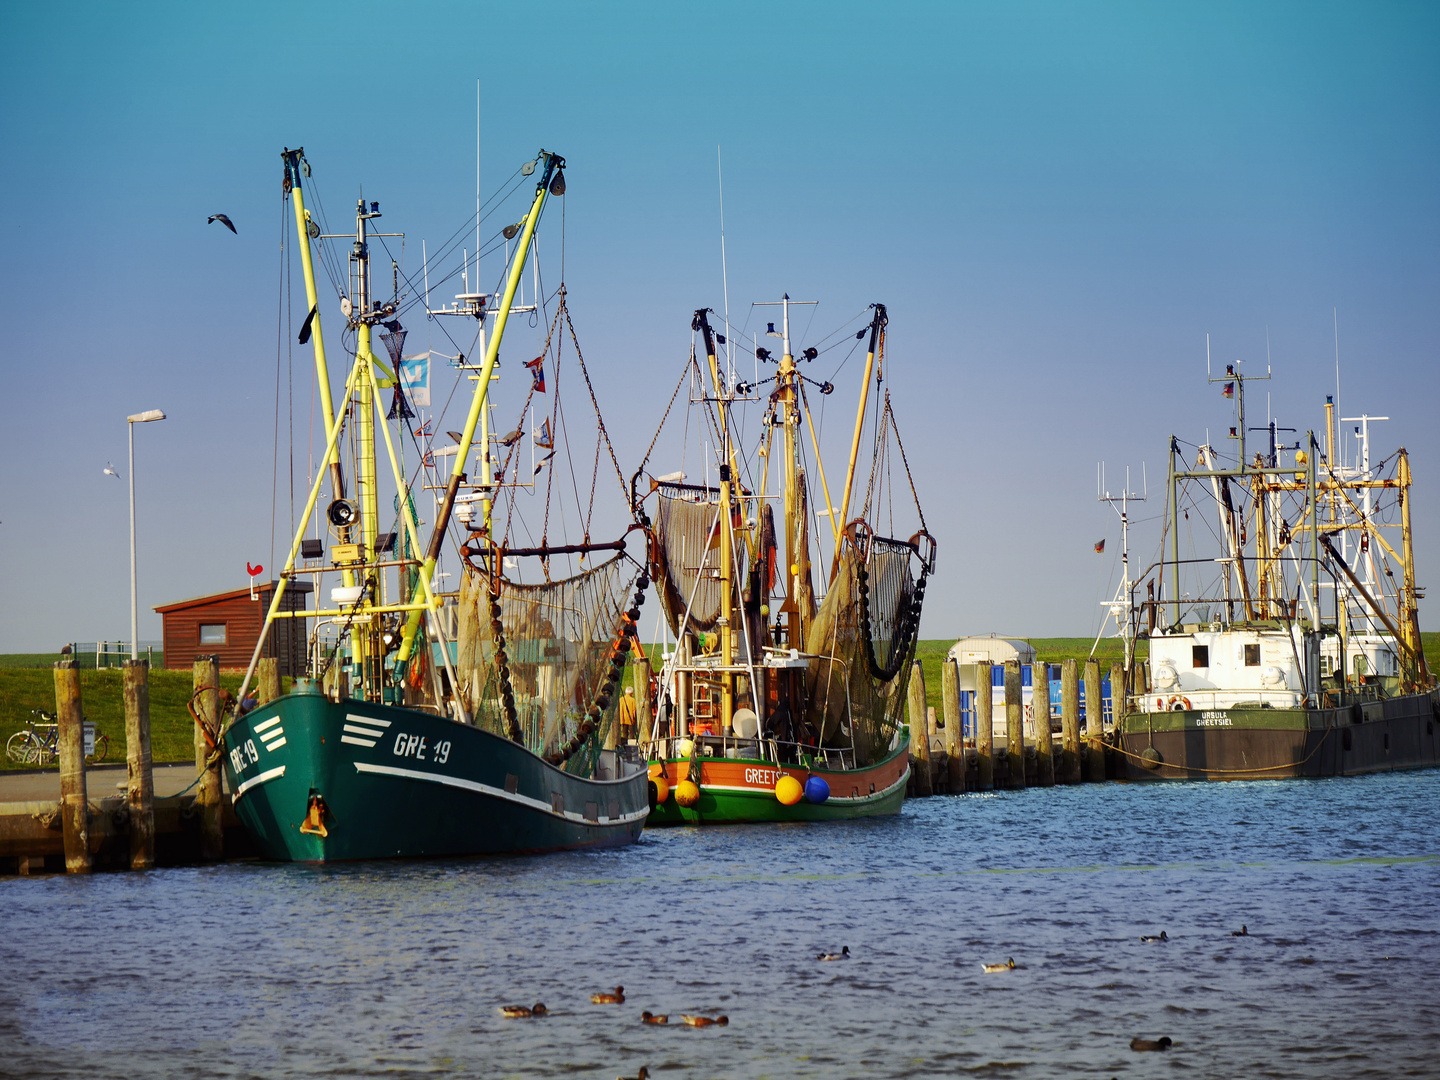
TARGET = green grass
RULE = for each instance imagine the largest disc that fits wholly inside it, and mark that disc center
(84, 660)
(28, 685)
(102, 693)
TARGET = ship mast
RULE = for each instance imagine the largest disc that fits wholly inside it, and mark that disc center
(799, 601)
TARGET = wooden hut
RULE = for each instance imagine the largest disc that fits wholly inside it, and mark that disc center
(228, 625)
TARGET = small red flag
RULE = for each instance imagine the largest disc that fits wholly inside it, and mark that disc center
(1100, 547)
(537, 369)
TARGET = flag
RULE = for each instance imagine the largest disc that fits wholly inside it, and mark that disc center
(414, 372)
(1100, 548)
(1229, 389)
(543, 440)
(537, 369)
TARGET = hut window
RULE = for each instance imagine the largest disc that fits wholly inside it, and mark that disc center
(212, 633)
(1252, 655)
(1200, 656)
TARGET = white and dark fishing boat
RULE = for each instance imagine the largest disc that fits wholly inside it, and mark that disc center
(435, 724)
(1289, 644)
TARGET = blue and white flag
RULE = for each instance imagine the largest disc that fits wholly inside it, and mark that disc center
(415, 378)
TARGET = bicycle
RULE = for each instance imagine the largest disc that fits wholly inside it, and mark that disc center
(39, 744)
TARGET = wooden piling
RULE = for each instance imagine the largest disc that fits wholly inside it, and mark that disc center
(1070, 722)
(267, 679)
(1015, 723)
(74, 800)
(919, 732)
(1040, 703)
(984, 728)
(140, 789)
(1119, 691)
(207, 761)
(1094, 723)
(954, 735)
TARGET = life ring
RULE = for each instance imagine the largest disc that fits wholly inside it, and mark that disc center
(1178, 703)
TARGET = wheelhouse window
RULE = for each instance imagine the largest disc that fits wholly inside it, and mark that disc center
(1252, 655)
(212, 633)
(1200, 656)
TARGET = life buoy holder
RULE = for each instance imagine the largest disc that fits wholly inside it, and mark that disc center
(1178, 703)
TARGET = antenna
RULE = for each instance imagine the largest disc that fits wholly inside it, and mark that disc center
(725, 275)
(1339, 450)
(1121, 603)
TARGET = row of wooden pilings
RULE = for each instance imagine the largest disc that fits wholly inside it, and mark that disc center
(137, 815)
(943, 761)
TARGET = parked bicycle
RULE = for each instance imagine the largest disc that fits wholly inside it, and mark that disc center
(39, 744)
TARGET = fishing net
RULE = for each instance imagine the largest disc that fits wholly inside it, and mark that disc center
(688, 535)
(860, 679)
(558, 638)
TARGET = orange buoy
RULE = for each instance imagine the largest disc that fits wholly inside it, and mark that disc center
(662, 789)
(788, 790)
(687, 793)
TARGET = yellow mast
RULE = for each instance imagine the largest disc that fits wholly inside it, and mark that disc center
(877, 339)
(727, 562)
(1409, 609)
(552, 163)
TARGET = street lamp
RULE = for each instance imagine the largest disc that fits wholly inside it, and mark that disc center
(131, 421)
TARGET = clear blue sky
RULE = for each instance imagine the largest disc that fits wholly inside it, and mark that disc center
(1056, 201)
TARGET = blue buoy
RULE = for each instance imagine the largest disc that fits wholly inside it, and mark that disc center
(816, 789)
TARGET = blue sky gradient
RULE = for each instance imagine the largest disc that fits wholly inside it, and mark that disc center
(1056, 201)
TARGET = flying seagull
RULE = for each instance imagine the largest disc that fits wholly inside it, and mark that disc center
(223, 221)
(511, 438)
(110, 470)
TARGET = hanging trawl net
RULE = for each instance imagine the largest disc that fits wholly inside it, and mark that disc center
(876, 676)
(689, 534)
(557, 638)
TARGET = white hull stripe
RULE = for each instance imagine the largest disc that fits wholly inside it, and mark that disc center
(496, 793)
(273, 746)
(353, 741)
(259, 778)
(266, 724)
(367, 720)
(356, 729)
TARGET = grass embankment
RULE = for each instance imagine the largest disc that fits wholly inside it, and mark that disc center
(102, 692)
(25, 686)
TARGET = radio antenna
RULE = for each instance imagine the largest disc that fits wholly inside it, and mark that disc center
(725, 273)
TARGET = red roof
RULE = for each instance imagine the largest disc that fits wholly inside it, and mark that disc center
(233, 594)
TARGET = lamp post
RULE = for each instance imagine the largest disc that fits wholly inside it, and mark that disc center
(131, 421)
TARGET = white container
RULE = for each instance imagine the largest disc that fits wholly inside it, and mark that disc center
(345, 595)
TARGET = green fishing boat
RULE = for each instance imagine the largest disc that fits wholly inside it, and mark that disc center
(436, 724)
(781, 695)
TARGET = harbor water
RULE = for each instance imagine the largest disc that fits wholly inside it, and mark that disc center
(398, 969)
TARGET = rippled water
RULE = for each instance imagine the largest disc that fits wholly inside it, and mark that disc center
(398, 969)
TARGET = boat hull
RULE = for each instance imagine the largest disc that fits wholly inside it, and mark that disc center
(1254, 743)
(400, 783)
(738, 791)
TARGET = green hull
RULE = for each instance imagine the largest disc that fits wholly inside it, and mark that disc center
(1257, 744)
(737, 791)
(399, 783)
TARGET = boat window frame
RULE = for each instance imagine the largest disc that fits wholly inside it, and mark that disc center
(1199, 656)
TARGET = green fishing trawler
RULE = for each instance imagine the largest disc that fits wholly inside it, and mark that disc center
(777, 700)
(437, 725)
